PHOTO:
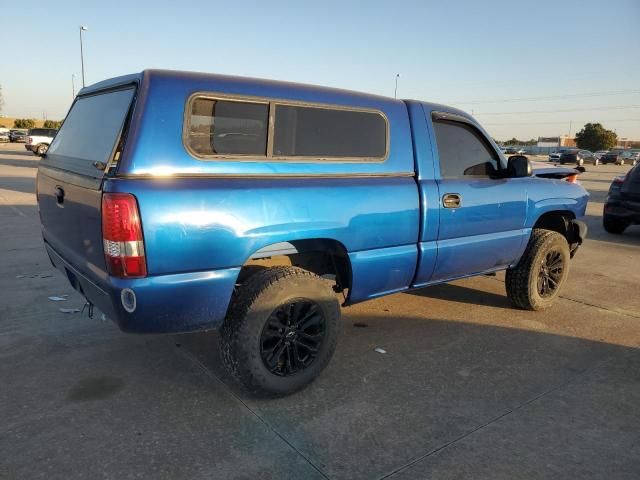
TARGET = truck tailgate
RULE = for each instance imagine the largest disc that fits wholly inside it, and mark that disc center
(70, 175)
(71, 220)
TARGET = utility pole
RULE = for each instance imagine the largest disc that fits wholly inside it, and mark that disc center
(82, 29)
(395, 92)
(570, 124)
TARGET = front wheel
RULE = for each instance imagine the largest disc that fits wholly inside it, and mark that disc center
(281, 330)
(535, 282)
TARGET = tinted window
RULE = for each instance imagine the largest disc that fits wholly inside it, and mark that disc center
(41, 132)
(222, 127)
(89, 133)
(302, 131)
(463, 151)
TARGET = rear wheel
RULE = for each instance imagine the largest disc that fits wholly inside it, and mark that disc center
(595, 162)
(613, 224)
(535, 282)
(281, 330)
(42, 149)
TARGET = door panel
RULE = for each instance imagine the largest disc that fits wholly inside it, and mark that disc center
(485, 232)
(481, 215)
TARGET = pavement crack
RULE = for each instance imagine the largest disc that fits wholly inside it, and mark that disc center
(192, 358)
(497, 418)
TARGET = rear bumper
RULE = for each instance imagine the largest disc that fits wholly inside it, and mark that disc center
(178, 303)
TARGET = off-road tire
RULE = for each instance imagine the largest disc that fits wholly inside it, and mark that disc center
(41, 149)
(252, 305)
(522, 280)
(613, 225)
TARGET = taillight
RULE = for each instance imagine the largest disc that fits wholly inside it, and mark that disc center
(621, 178)
(122, 236)
(29, 140)
(572, 178)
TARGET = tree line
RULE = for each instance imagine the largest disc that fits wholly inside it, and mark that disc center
(593, 136)
(31, 123)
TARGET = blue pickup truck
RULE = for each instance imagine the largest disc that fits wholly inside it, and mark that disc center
(180, 202)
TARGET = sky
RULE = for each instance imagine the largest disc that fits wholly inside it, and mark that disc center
(523, 68)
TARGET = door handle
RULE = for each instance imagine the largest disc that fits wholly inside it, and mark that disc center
(451, 200)
(59, 194)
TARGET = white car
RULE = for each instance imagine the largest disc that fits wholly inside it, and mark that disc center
(39, 139)
(599, 153)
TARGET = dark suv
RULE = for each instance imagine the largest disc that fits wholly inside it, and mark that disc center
(619, 157)
(622, 207)
(579, 157)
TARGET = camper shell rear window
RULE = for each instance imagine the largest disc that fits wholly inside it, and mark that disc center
(85, 143)
(222, 127)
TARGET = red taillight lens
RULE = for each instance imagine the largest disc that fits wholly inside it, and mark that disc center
(29, 140)
(122, 236)
(572, 178)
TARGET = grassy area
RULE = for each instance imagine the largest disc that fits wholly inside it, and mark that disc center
(7, 122)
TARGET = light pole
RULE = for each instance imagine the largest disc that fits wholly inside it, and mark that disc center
(82, 29)
(395, 92)
(73, 86)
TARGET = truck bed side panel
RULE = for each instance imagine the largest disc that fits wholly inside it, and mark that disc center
(198, 224)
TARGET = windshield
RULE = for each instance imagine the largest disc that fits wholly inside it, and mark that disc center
(89, 133)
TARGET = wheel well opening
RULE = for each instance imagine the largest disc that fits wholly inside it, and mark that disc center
(559, 221)
(324, 257)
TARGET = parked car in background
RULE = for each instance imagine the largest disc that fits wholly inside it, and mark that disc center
(579, 157)
(633, 156)
(555, 155)
(19, 136)
(520, 151)
(599, 153)
(619, 157)
(39, 139)
(510, 151)
(326, 197)
(4, 137)
(622, 205)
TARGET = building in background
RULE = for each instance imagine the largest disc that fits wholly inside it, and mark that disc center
(556, 142)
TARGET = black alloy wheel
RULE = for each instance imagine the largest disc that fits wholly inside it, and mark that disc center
(292, 337)
(551, 272)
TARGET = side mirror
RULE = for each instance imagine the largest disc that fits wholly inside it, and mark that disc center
(519, 166)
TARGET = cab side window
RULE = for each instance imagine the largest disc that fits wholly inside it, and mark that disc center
(463, 151)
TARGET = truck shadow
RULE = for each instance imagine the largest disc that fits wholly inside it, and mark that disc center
(19, 184)
(461, 294)
(14, 162)
(438, 380)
